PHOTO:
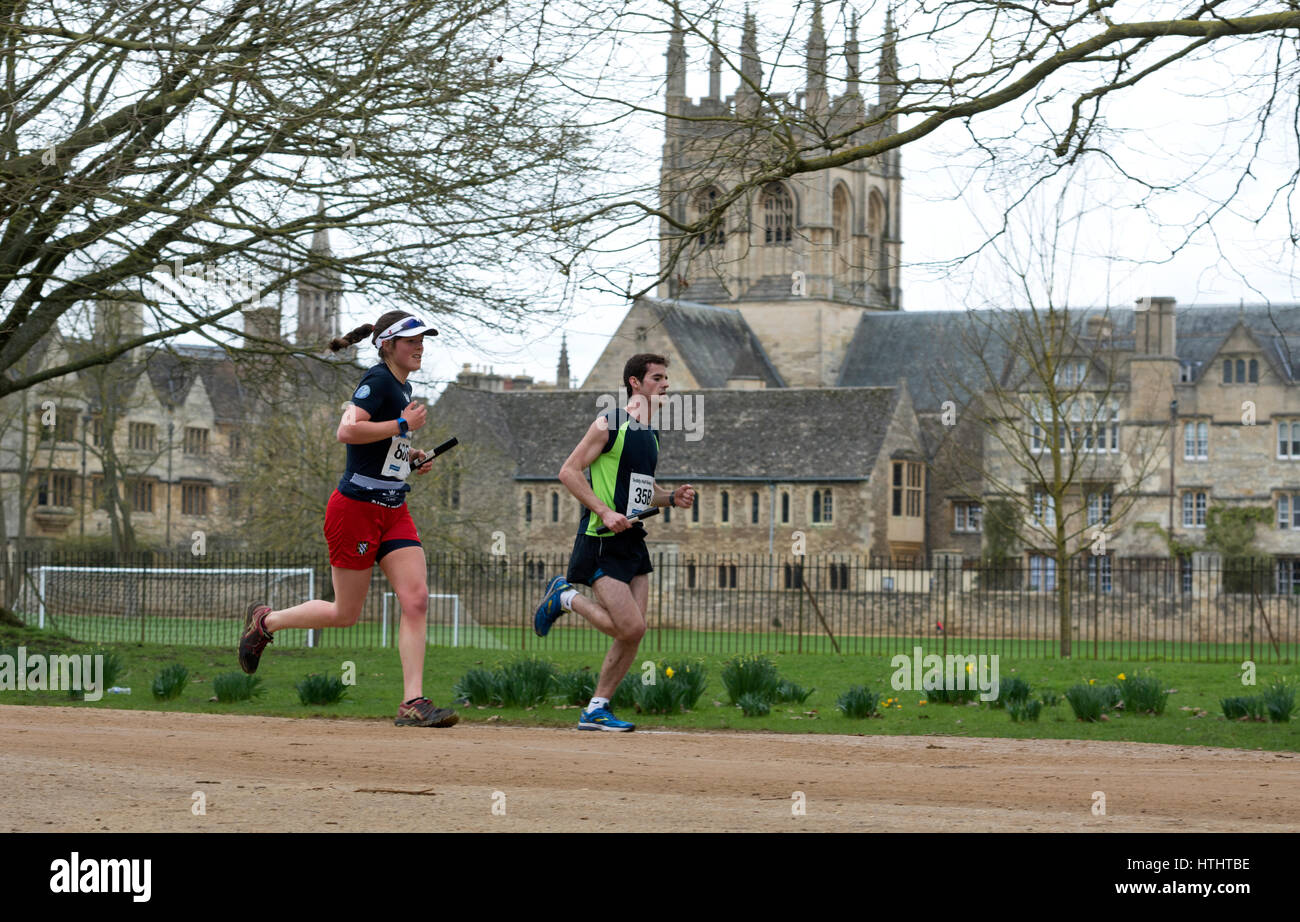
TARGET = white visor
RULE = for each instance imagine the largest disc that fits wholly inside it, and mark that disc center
(407, 326)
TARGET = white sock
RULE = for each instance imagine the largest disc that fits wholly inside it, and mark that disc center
(597, 703)
(566, 599)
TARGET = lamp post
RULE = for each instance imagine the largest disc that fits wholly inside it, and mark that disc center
(170, 426)
(85, 429)
(1173, 452)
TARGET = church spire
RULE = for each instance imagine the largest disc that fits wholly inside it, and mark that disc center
(815, 59)
(320, 238)
(562, 369)
(888, 80)
(676, 59)
(751, 70)
(852, 57)
(715, 67)
(319, 289)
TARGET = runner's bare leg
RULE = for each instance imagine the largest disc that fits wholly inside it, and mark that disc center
(626, 606)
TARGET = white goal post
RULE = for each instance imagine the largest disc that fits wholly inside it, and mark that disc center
(455, 617)
(42, 576)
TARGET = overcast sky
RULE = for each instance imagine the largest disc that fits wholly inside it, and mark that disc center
(1107, 250)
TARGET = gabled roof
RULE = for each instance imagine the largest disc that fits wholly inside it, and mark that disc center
(1202, 331)
(711, 339)
(173, 372)
(768, 434)
(929, 349)
(233, 384)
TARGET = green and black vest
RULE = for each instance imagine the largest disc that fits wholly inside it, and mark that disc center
(623, 475)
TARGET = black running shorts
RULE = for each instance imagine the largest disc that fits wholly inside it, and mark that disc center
(621, 556)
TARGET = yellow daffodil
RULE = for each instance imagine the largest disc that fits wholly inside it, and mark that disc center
(968, 667)
(1092, 681)
(1120, 677)
(669, 672)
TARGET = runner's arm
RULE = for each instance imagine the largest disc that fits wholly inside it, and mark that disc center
(581, 458)
(684, 496)
(357, 428)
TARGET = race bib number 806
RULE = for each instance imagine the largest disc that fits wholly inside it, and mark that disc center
(398, 462)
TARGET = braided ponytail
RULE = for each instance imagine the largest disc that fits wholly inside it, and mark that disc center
(352, 338)
(366, 329)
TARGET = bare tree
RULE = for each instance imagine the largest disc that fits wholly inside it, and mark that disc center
(204, 137)
(1018, 90)
(1063, 433)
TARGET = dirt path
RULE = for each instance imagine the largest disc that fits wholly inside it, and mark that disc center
(73, 769)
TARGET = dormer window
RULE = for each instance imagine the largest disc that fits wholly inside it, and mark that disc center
(1071, 374)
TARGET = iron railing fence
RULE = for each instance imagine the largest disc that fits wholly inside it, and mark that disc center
(703, 603)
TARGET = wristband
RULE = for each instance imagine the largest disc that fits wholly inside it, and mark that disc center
(402, 427)
(671, 500)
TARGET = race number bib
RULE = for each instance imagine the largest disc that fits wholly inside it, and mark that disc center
(640, 492)
(398, 462)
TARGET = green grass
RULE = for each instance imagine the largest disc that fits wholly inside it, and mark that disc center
(1196, 686)
(668, 641)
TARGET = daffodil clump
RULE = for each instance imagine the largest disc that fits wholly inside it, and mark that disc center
(668, 688)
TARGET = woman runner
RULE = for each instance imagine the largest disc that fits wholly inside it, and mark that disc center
(366, 519)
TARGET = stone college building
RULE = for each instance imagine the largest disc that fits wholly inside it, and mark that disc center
(813, 412)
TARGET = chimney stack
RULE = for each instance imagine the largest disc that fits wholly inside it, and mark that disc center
(1153, 327)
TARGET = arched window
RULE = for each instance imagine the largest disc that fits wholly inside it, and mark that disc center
(841, 234)
(726, 507)
(753, 508)
(785, 508)
(1254, 371)
(841, 216)
(695, 509)
(876, 229)
(817, 506)
(555, 507)
(528, 508)
(778, 214)
(1227, 371)
(1241, 371)
(705, 202)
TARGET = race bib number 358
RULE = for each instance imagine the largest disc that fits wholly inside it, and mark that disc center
(398, 462)
(640, 493)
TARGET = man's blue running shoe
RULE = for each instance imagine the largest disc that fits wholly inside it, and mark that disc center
(549, 611)
(603, 719)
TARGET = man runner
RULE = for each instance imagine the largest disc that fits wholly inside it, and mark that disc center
(609, 552)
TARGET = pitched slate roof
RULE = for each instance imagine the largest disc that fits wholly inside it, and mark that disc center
(711, 339)
(785, 434)
(233, 386)
(173, 372)
(929, 349)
